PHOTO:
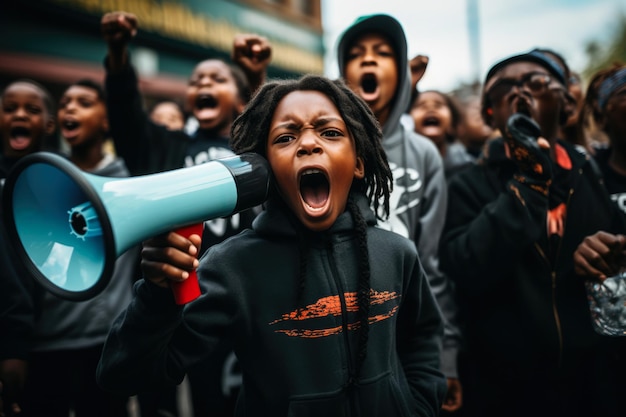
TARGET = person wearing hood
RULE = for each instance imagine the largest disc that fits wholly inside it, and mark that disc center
(373, 60)
(327, 313)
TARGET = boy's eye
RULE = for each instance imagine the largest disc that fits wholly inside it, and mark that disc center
(284, 139)
(332, 133)
(85, 103)
(34, 109)
(352, 54)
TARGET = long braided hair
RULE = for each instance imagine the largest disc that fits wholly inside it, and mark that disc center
(249, 133)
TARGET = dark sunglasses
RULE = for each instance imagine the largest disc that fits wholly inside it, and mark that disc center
(535, 82)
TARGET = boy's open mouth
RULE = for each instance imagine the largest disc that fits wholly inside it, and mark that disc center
(431, 121)
(369, 83)
(20, 138)
(205, 101)
(70, 125)
(314, 188)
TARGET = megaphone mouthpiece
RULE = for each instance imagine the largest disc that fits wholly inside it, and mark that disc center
(83, 221)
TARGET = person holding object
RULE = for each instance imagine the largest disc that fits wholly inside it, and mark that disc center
(601, 255)
(216, 94)
(514, 222)
(326, 312)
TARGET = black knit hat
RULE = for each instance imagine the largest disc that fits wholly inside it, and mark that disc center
(380, 23)
(532, 56)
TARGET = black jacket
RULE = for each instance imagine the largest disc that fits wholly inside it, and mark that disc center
(293, 364)
(516, 303)
(148, 148)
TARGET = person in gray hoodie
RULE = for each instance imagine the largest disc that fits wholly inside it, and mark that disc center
(372, 58)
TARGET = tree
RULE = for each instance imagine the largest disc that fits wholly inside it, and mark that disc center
(615, 51)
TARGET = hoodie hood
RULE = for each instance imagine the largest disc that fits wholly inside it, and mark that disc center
(392, 29)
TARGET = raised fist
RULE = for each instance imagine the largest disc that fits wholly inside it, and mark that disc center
(118, 28)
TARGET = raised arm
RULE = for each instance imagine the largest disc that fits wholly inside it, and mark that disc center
(253, 53)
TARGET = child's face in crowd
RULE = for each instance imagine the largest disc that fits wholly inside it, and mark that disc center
(25, 121)
(432, 116)
(313, 158)
(82, 116)
(540, 96)
(473, 130)
(169, 115)
(213, 96)
(371, 71)
(576, 91)
(615, 115)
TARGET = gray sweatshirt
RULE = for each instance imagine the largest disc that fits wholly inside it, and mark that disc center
(419, 198)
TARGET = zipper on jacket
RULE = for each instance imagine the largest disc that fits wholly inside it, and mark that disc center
(557, 319)
(555, 311)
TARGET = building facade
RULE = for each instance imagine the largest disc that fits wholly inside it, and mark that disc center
(57, 42)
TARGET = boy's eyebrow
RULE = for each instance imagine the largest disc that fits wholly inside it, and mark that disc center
(326, 120)
(318, 122)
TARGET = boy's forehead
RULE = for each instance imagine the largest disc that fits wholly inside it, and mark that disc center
(368, 36)
(81, 89)
(23, 89)
(515, 70)
(214, 65)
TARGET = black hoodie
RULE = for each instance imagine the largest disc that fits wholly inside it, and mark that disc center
(293, 364)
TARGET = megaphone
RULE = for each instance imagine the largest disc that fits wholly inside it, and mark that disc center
(69, 226)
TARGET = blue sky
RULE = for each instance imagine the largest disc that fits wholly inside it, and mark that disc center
(439, 29)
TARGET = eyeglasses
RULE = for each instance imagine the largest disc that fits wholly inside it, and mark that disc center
(535, 82)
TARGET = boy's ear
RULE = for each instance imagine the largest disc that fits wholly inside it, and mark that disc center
(359, 169)
(486, 111)
(105, 125)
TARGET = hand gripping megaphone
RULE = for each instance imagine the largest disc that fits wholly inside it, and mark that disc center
(69, 227)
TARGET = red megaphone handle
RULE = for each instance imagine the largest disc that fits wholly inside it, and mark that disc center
(189, 289)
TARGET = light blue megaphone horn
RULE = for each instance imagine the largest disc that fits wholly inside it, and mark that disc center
(69, 227)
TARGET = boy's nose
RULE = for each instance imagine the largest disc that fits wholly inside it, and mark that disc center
(21, 112)
(309, 143)
(205, 80)
(71, 105)
(369, 56)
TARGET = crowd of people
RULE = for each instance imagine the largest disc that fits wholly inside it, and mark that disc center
(418, 254)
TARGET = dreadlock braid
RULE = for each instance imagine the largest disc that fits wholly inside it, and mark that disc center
(303, 245)
(363, 292)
